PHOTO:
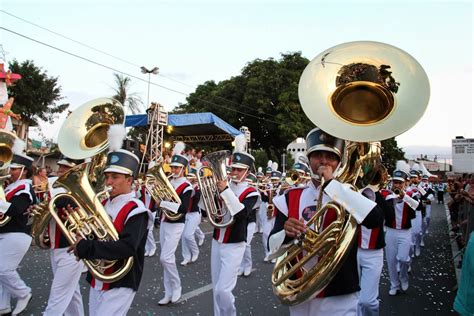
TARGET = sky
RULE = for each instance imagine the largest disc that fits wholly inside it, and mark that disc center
(195, 41)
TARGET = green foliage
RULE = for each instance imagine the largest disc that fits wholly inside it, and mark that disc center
(266, 89)
(36, 95)
(391, 153)
(122, 93)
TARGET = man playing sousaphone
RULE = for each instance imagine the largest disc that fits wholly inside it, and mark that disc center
(298, 205)
(132, 220)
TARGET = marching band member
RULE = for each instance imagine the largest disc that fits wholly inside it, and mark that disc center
(14, 235)
(149, 202)
(228, 244)
(264, 188)
(132, 220)
(189, 247)
(171, 231)
(198, 233)
(398, 224)
(246, 265)
(259, 222)
(371, 242)
(65, 296)
(271, 192)
(427, 198)
(298, 205)
(416, 223)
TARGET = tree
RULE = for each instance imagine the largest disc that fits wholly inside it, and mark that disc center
(267, 91)
(36, 95)
(122, 92)
(391, 153)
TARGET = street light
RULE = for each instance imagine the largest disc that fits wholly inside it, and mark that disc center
(149, 72)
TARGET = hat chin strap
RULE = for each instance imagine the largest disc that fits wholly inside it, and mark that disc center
(317, 177)
(235, 180)
(179, 175)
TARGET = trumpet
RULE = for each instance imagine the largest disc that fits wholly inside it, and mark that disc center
(293, 177)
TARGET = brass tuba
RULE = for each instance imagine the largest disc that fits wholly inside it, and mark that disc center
(90, 221)
(7, 139)
(362, 92)
(207, 177)
(159, 187)
(39, 218)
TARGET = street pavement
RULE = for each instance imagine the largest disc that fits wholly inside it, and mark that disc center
(432, 284)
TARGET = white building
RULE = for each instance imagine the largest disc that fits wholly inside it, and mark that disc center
(298, 145)
(463, 154)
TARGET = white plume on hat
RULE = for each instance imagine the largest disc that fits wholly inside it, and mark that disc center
(275, 166)
(269, 164)
(116, 135)
(259, 169)
(402, 165)
(18, 147)
(178, 148)
(416, 167)
(240, 141)
(425, 171)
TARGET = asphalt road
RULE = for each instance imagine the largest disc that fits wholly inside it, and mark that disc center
(431, 292)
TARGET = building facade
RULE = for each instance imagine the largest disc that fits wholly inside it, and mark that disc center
(463, 154)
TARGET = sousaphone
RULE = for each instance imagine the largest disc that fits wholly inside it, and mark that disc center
(363, 92)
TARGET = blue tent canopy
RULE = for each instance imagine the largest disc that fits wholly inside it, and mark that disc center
(192, 127)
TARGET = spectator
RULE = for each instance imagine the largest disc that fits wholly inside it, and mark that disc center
(464, 301)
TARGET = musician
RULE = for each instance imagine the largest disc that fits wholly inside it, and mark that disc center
(270, 193)
(259, 223)
(149, 202)
(416, 223)
(65, 296)
(427, 198)
(171, 231)
(14, 235)
(189, 246)
(246, 265)
(132, 220)
(398, 235)
(228, 244)
(265, 187)
(296, 206)
(371, 242)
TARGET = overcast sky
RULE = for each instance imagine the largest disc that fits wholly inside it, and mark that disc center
(195, 41)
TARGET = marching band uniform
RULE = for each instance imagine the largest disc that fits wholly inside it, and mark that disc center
(416, 223)
(262, 212)
(371, 242)
(132, 220)
(246, 265)
(147, 200)
(398, 236)
(171, 231)
(14, 236)
(189, 247)
(259, 219)
(340, 295)
(272, 192)
(427, 198)
(228, 244)
(65, 296)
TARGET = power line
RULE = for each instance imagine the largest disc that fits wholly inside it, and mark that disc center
(115, 57)
(130, 75)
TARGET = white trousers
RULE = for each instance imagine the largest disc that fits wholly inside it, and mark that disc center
(170, 234)
(370, 264)
(199, 234)
(427, 219)
(397, 251)
(259, 220)
(225, 263)
(13, 247)
(189, 247)
(150, 245)
(341, 305)
(247, 259)
(416, 230)
(115, 302)
(65, 297)
(267, 227)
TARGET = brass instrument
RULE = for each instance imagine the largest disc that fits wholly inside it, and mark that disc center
(90, 220)
(293, 177)
(207, 177)
(270, 206)
(7, 139)
(40, 217)
(363, 92)
(160, 188)
(84, 134)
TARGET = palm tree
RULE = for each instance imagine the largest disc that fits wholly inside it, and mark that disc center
(129, 99)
